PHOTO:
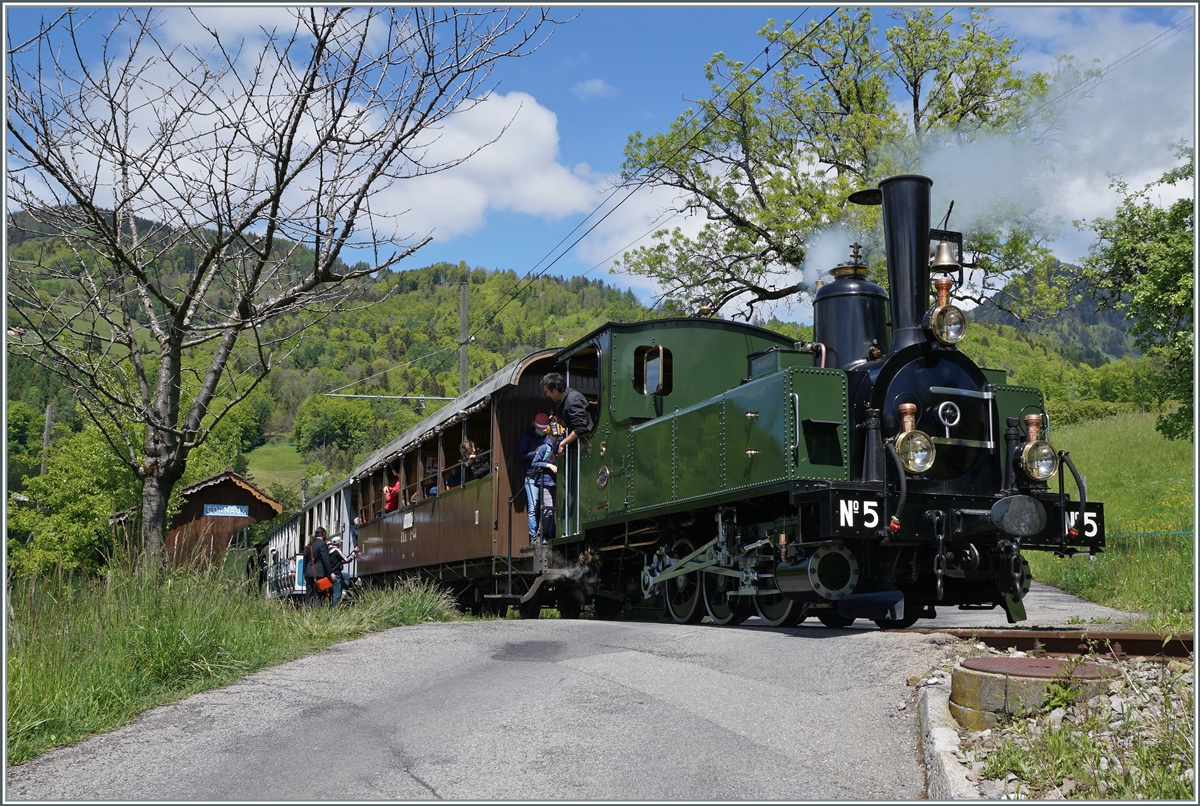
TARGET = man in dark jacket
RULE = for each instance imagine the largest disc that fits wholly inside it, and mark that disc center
(317, 565)
(534, 450)
(571, 409)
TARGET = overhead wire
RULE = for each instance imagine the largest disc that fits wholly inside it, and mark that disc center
(1113, 65)
(533, 274)
(532, 277)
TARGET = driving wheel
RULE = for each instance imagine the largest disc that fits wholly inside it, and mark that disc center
(777, 610)
(685, 604)
(722, 607)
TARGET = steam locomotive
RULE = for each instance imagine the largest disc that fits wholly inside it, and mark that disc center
(876, 472)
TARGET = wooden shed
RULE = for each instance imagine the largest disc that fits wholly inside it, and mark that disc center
(214, 511)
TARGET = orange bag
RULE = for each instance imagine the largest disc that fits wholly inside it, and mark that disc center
(324, 584)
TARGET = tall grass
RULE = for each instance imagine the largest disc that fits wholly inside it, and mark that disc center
(85, 657)
(1145, 483)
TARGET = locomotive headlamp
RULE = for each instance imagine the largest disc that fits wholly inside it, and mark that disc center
(1039, 460)
(916, 451)
(1038, 457)
(946, 322)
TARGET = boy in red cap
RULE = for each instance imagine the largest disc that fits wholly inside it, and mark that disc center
(535, 451)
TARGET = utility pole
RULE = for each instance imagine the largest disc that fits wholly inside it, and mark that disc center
(46, 437)
(462, 338)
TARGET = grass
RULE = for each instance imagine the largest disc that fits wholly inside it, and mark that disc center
(83, 658)
(1145, 483)
(1142, 755)
(276, 462)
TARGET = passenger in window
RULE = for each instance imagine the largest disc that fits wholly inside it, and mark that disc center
(391, 497)
(476, 466)
(535, 450)
(571, 409)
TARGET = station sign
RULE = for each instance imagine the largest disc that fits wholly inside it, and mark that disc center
(227, 510)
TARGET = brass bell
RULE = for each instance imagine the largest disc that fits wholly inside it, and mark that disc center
(944, 259)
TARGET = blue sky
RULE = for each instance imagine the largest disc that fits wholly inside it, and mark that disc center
(616, 69)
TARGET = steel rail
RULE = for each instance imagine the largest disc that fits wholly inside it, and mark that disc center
(1079, 642)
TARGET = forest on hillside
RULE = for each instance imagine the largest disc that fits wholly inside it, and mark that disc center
(399, 338)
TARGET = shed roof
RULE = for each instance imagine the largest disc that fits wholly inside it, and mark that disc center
(228, 474)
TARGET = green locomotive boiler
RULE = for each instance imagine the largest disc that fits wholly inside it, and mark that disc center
(875, 473)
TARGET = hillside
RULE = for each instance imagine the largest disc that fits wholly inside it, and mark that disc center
(400, 338)
(1082, 332)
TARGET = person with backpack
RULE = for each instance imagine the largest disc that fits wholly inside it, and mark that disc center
(317, 565)
(341, 579)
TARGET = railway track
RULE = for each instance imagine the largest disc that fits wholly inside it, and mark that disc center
(1078, 642)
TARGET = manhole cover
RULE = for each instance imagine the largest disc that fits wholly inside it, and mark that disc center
(1036, 667)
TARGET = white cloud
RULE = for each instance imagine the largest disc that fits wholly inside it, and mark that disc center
(594, 88)
(186, 26)
(519, 172)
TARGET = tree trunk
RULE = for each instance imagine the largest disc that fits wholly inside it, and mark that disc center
(156, 494)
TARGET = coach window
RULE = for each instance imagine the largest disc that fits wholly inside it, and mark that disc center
(652, 370)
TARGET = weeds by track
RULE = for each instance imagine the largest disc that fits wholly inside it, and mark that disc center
(1079, 642)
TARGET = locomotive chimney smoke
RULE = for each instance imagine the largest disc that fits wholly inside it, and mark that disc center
(906, 239)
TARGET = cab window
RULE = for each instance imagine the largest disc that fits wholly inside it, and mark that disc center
(652, 370)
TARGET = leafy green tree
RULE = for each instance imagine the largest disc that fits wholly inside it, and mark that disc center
(768, 160)
(1144, 262)
(63, 520)
(181, 201)
(332, 421)
(23, 442)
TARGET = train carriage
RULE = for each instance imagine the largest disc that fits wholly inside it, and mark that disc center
(468, 535)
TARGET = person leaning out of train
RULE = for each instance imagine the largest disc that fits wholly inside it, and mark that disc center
(317, 565)
(571, 409)
(474, 465)
(535, 449)
(338, 561)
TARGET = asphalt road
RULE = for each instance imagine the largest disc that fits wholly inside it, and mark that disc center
(541, 710)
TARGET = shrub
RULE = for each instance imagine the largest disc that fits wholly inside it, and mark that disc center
(1069, 412)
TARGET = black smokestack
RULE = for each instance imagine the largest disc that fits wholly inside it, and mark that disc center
(906, 239)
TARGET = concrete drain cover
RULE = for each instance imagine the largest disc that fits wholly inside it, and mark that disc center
(1036, 667)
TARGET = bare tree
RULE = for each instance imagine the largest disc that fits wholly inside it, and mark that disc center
(193, 203)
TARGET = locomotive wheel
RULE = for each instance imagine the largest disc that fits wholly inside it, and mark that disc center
(723, 608)
(569, 605)
(896, 624)
(777, 610)
(685, 604)
(532, 608)
(608, 609)
(831, 618)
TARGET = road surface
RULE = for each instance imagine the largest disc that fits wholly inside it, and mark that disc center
(544, 710)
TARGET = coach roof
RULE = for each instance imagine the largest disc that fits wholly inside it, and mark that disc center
(474, 399)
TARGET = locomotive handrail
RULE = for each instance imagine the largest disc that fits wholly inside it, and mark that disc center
(796, 409)
(950, 390)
